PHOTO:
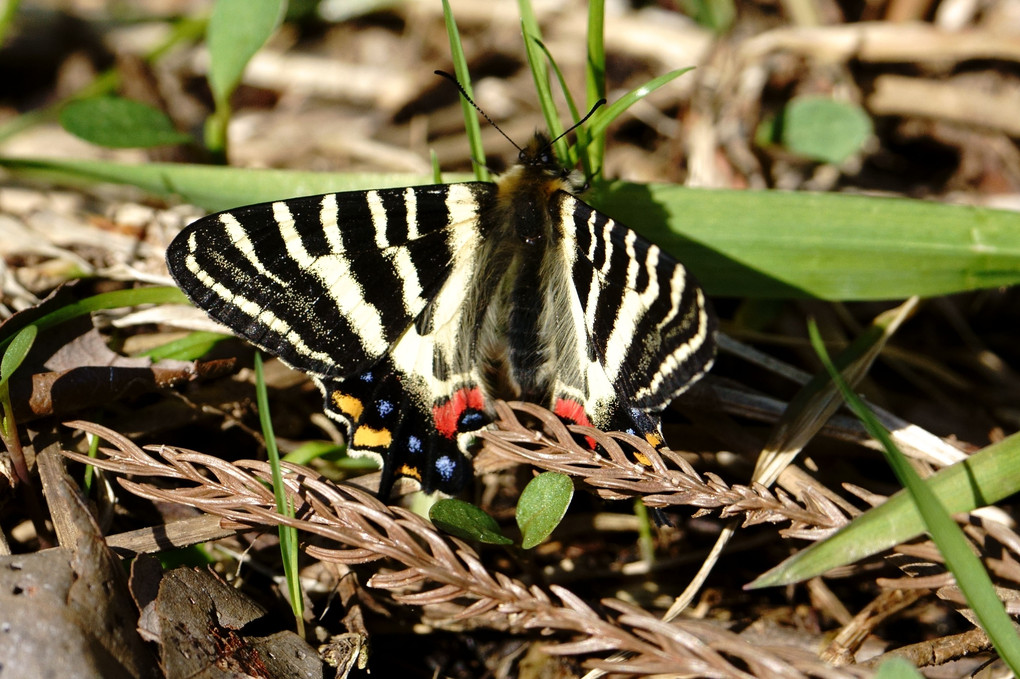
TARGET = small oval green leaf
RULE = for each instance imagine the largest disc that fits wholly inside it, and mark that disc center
(115, 122)
(237, 30)
(542, 506)
(824, 129)
(465, 521)
(16, 352)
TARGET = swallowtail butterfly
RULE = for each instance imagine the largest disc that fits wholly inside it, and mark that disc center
(414, 308)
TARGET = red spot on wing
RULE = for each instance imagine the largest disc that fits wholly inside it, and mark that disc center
(447, 415)
(573, 411)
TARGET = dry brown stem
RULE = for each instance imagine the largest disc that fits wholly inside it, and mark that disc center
(666, 480)
(438, 569)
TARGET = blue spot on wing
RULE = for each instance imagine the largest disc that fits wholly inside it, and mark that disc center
(446, 466)
(472, 420)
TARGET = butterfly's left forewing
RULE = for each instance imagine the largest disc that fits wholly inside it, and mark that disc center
(327, 283)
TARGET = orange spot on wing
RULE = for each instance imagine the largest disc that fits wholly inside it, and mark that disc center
(366, 437)
(348, 405)
(408, 470)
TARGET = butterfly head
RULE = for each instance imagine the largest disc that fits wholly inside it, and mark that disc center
(538, 153)
(538, 157)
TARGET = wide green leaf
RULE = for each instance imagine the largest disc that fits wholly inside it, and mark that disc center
(237, 30)
(778, 244)
(763, 244)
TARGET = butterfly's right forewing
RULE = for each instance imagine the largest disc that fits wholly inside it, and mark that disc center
(649, 325)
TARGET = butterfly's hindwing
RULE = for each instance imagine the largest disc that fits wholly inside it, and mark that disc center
(388, 421)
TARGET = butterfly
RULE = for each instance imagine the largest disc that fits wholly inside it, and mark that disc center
(414, 308)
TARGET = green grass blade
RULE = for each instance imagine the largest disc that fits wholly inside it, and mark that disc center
(815, 402)
(106, 300)
(571, 104)
(970, 574)
(90, 470)
(7, 12)
(194, 345)
(540, 74)
(437, 172)
(13, 355)
(213, 188)
(595, 79)
(986, 477)
(578, 152)
(288, 534)
(605, 117)
(16, 352)
(460, 69)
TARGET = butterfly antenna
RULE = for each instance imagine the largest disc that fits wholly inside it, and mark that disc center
(478, 108)
(598, 104)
